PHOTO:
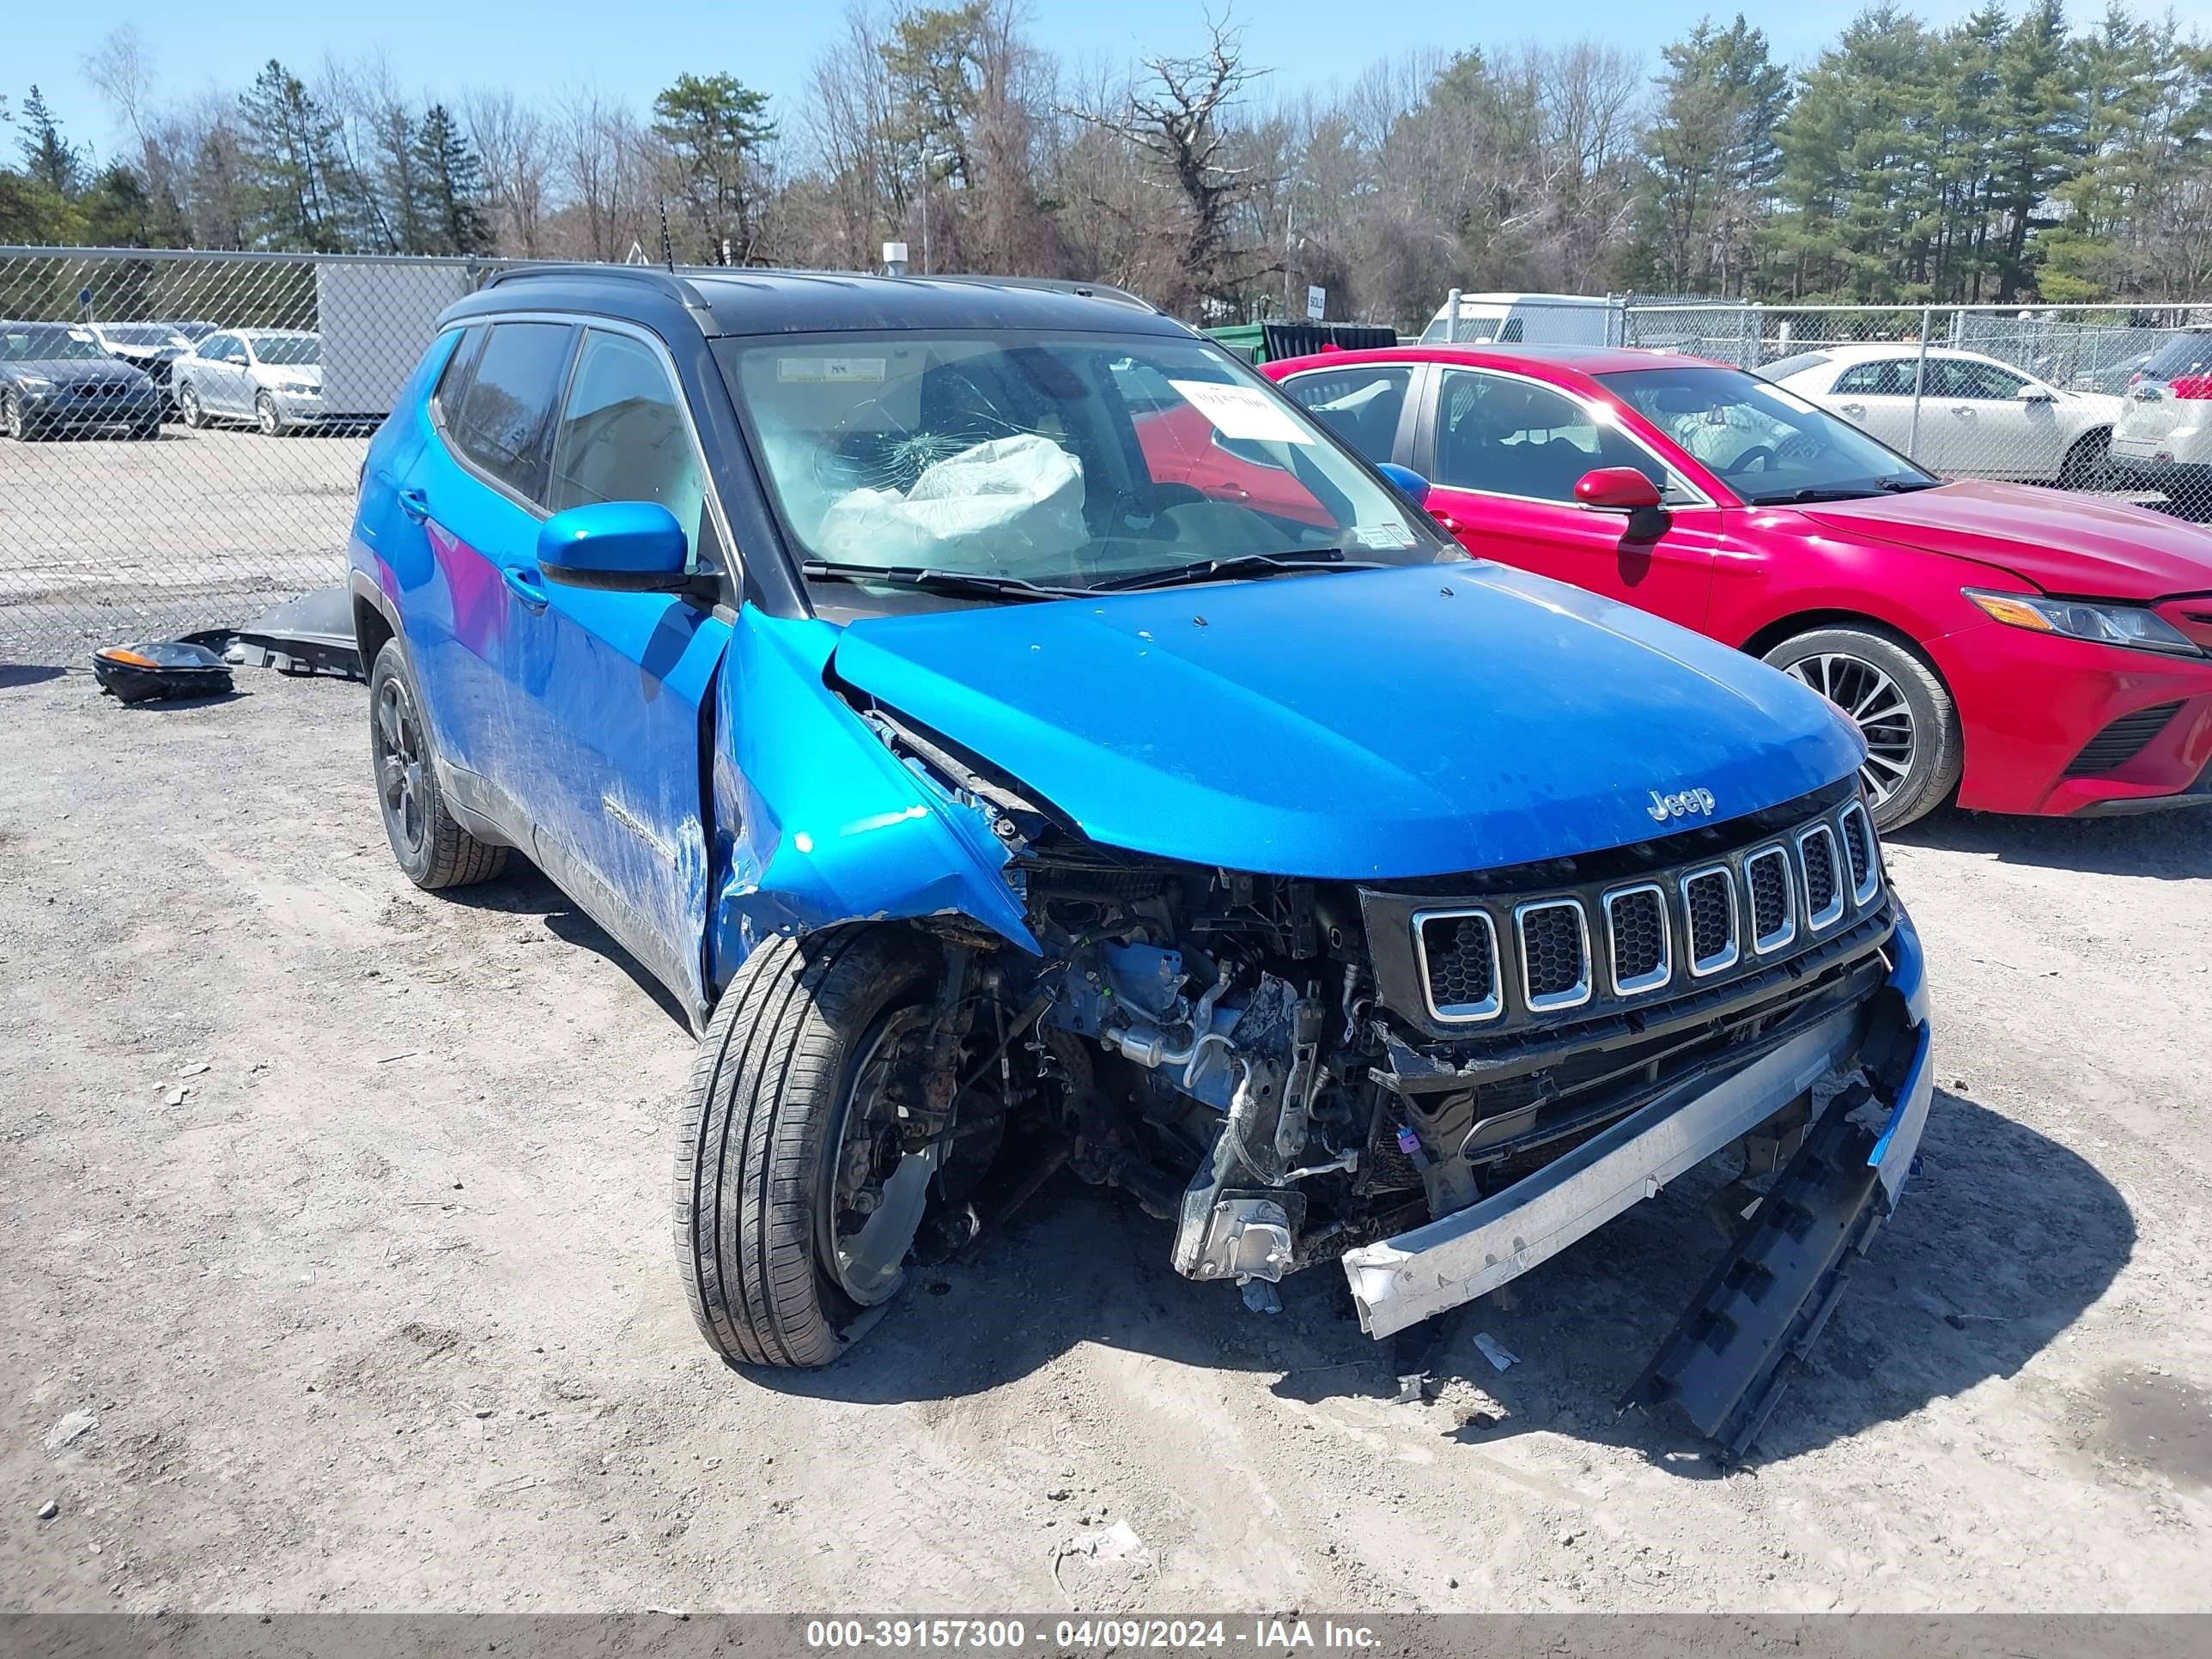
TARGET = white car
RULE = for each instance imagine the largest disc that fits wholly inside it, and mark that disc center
(2164, 435)
(1979, 418)
(272, 377)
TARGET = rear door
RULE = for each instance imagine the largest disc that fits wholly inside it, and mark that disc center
(1503, 454)
(476, 492)
(1876, 396)
(1367, 406)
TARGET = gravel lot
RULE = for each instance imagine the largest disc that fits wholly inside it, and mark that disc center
(338, 1276)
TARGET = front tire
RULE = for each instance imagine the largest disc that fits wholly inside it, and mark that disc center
(268, 417)
(13, 421)
(1915, 751)
(427, 840)
(788, 1122)
(189, 410)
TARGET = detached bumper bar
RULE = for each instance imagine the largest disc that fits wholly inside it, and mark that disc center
(1400, 1281)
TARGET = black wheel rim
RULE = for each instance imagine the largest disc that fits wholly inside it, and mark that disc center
(1874, 701)
(398, 738)
(874, 1194)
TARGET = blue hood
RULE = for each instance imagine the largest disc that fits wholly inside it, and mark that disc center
(1398, 723)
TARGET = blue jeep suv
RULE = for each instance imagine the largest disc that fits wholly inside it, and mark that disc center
(1022, 739)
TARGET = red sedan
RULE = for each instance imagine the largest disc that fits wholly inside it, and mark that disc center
(2011, 648)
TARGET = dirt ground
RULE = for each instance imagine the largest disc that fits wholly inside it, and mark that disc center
(338, 1274)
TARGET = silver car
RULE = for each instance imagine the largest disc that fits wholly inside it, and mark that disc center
(272, 377)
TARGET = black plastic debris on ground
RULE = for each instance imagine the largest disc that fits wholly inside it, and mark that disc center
(160, 668)
(311, 635)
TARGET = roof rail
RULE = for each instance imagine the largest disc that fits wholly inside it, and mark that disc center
(653, 277)
(1087, 290)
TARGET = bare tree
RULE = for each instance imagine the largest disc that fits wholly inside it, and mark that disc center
(1176, 121)
(512, 138)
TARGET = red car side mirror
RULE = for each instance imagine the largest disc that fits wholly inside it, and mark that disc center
(1617, 489)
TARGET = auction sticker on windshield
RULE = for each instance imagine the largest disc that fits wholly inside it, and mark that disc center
(814, 371)
(1243, 411)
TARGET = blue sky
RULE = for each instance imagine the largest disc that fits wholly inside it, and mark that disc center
(540, 47)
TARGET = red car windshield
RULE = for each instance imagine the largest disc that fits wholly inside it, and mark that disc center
(1769, 446)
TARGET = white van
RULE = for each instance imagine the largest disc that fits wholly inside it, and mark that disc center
(1515, 319)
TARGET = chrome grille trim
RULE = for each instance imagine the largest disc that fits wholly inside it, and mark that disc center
(1703, 967)
(1862, 891)
(1662, 974)
(1766, 944)
(1459, 1013)
(1838, 878)
(1576, 994)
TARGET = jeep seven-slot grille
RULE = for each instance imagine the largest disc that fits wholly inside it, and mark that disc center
(1635, 928)
(1858, 849)
(1554, 941)
(1497, 957)
(1459, 953)
(1773, 922)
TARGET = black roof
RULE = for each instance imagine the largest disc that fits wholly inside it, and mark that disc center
(745, 301)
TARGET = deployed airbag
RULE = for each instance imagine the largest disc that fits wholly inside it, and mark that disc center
(1012, 500)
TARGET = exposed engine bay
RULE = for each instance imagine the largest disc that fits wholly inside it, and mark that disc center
(1289, 1069)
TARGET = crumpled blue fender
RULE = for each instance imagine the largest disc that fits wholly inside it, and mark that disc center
(816, 821)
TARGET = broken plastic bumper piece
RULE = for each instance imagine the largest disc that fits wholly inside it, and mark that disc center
(1726, 1360)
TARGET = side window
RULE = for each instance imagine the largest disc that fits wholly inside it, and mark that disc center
(507, 411)
(623, 438)
(453, 379)
(218, 350)
(1889, 376)
(1509, 436)
(1361, 404)
(1979, 382)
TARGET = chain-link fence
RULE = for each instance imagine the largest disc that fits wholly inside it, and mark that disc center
(181, 434)
(2112, 400)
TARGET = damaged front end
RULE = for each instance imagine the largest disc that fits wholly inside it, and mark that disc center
(1443, 1083)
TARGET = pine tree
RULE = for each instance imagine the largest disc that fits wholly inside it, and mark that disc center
(287, 151)
(452, 186)
(49, 159)
(713, 126)
(1713, 156)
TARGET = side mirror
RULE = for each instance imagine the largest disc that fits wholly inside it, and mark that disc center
(1406, 482)
(1617, 489)
(2036, 394)
(616, 547)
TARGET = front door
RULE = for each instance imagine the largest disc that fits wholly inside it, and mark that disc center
(1983, 421)
(1503, 454)
(612, 684)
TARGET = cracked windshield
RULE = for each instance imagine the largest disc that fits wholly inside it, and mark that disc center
(1058, 461)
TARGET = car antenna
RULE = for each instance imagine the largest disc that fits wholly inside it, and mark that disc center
(667, 246)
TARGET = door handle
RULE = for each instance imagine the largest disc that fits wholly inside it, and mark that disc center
(1451, 525)
(415, 504)
(1852, 409)
(523, 583)
(1962, 408)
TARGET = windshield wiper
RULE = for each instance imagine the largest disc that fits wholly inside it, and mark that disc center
(935, 581)
(1841, 492)
(1240, 564)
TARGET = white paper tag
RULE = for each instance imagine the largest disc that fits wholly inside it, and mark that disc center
(1243, 411)
(815, 371)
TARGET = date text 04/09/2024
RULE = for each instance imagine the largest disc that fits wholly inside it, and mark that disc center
(1260, 1634)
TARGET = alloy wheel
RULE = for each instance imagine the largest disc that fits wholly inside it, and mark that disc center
(1874, 702)
(11, 416)
(188, 407)
(399, 764)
